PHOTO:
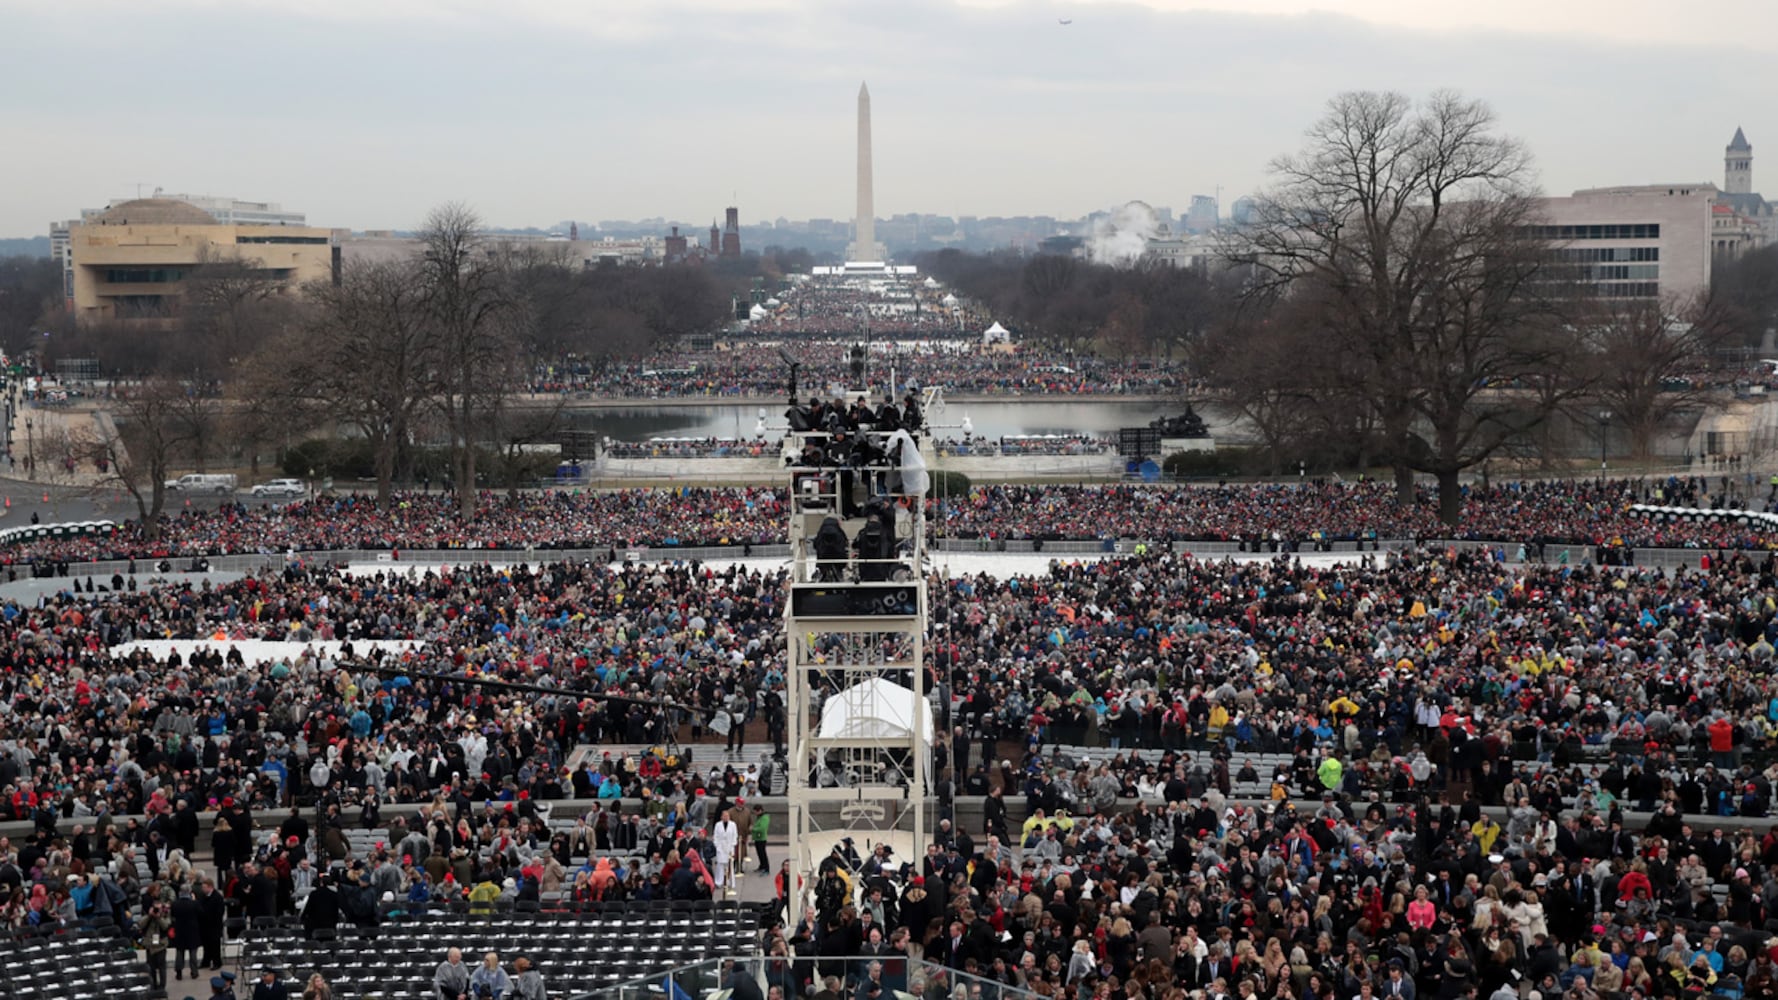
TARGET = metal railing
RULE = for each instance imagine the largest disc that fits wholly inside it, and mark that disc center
(903, 976)
(404, 559)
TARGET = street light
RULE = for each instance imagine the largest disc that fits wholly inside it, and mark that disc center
(30, 451)
(1604, 431)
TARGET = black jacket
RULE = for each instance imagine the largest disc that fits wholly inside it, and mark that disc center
(321, 911)
(186, 916)
(212, 913)
(994, 816)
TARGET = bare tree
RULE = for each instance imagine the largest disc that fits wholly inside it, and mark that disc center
(1494, 358)
(158, 420)
(1744, 295)
(474, 321)
(519, 432)
(366, 356)
(1183, 305)
(1646, 355)
(1397, 213)
(1256, 362)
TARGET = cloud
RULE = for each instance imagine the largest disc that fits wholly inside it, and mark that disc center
(364, 114)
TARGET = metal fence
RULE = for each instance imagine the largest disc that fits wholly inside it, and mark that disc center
(421, 559)
(902, 976)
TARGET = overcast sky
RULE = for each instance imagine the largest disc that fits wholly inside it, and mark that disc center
(363, 113)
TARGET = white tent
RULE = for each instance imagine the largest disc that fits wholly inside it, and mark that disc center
(874, 710)
(996, 334)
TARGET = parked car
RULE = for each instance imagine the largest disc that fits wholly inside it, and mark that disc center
(201, 483)
(281, 488)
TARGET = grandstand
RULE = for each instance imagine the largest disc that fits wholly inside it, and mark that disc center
(81, 962)
(586, 948)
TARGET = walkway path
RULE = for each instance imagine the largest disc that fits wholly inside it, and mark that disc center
(50, 438)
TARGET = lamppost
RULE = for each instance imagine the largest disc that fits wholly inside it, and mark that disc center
(30, 451)
(1604, 437)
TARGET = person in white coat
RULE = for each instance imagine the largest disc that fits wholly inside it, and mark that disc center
(725, 837)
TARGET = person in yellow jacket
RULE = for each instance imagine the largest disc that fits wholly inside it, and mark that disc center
(1486, 833)
(1219, 720)
(481, 898)
(1331, 772)
(1342, 706)
(1061, 822)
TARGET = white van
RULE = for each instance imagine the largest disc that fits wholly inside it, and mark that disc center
(200, 483)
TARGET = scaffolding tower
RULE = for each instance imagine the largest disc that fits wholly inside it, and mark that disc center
(859, 726)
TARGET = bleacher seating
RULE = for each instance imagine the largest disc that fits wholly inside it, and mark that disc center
(578, 949)
(97, 962)
(704, 756)
(1265, 764)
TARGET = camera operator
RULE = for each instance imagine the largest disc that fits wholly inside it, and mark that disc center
(154, 943)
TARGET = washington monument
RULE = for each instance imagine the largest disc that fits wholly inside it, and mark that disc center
(864, 244)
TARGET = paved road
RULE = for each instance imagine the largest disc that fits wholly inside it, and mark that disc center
(60, 503)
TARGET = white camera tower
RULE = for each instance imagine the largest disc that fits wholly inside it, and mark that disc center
(859, 727)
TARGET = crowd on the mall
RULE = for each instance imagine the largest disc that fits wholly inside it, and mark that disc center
(1527, 516)
(896, 306)
(1535, 781)
(752, 368)
(1559, 520)
(1499, 776)
(705, 447)
(763, 447)
(1013, 445)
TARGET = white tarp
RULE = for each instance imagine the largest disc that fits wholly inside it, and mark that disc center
(877, 709)
(257, 650)
(914, 479)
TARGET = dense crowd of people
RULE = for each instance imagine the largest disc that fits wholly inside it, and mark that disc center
(1579, 513)
(751, 368)
(761, 447)
(1530, 519)
(1488, 777)
(1027, 444)
(892, 306)
(709, 447)
(554, 519)
(1544, 781)
(1609, 718)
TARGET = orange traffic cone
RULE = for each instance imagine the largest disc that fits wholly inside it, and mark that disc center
(46, 496)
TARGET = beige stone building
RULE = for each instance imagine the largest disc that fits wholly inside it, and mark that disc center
(1641, 242)
(131, 261)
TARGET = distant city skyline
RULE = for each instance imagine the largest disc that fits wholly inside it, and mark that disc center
(364, 116)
